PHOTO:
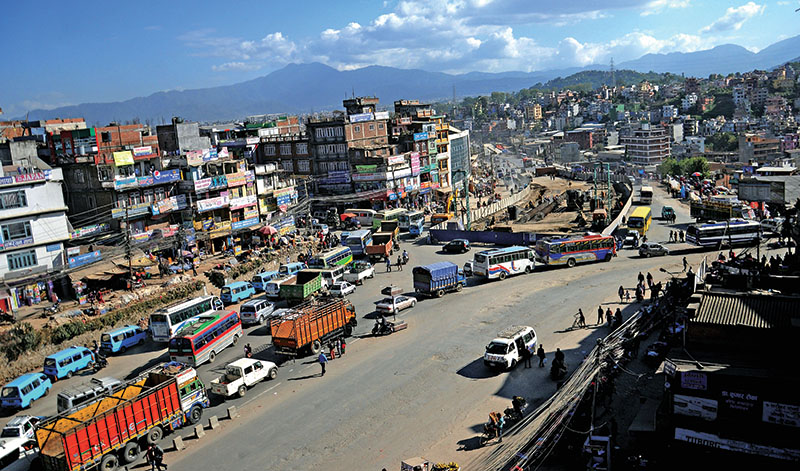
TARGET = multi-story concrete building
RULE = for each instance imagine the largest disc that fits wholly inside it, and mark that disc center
(289, 151)
(180, 137)
(755, 148)
(648, 145)
(460, 164)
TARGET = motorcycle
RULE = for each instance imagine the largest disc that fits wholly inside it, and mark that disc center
(100, 361)
(404, 257)
(54, 308)
(516, 412)
(382, 328)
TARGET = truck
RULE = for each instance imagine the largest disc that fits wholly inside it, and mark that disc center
(438, 278)
(359, 271)
(382, 246)
(390, 226)
(241, 374)
(117, 428)
(17, 439)
(306, 328)
(301, 286)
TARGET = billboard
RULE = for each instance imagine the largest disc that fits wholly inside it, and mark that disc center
(123, 158)
(213, 203)
(142, 151)
(381, 115)
(420, 136)
(358, 118)
(397, 159)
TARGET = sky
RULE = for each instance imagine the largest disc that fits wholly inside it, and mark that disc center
(59, 53)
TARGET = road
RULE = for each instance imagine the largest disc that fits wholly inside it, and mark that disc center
(421, 391)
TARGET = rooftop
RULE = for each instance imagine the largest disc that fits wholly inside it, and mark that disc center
(759, 311)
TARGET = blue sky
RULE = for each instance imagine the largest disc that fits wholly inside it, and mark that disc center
(58, 53)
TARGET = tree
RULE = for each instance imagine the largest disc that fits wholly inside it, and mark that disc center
(723, 142)
(670, 167)
(694, 165)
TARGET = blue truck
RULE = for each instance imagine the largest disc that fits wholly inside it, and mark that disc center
(438, 278)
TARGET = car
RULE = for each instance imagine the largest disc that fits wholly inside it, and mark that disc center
(468, 266)
(649, 249)
(631, 240)
(317, 227)
(400, 302)
(342, 288)
(773, 225)
(457, 246)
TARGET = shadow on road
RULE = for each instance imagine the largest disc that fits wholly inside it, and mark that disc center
(318, 375)
(164, 357)
(469, 444)
(477, 370)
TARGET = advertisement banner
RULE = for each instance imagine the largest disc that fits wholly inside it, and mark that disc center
(72, 251)
(251, 212)
(365, 177)
(133, 210)
(694, 380)
(84, 259)
(209, 155)
(415, 163)
(213, 203)
(236, 179)
(420, 136)
(244, 201)
(692, 406)
(173, 203)
(202, 185)
(715, 441)
(125, 182)
(142, 151)
(89, 230)
(402, 173)
(781, 414)
(249, 176)
(123, 157)
(739, 404)
(194, 157)
(381, 115)
(244, 223)
(397, 159)
(223, 153)
(361, 117)
(8, 244)
(366, 168)
(30, 177)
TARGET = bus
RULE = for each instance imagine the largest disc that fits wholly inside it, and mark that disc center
(504, 262)
(731, 232)
(201, 340)
(166, 321)
(338, 256)
(646, 195)
(412, 222)
(364, 216)
(570, 251)
(640, 219)
(358, 240)
(386, 215)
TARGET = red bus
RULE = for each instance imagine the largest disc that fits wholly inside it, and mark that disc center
(574, 250)
(201, 340)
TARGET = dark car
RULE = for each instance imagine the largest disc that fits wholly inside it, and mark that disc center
(457, 246)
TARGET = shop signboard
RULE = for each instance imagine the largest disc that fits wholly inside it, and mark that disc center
(366, 168)
(209, 155)
(338, 176)
(213, 203)
(142, 151)
(284, 196)
(72, 251)
(249, 176)
(133, 210)
(694, 380)
(122, 158)
(125, 182)
(194, 158)
(781, 414)
(358, 118)
(402, 173)
(8, 244)
(397, 159)
(53, 247)
(251, 212)
(220, 229)
(236, 179)
(244, 223)
(415, 163)
(90, 230)
(160, 176)
(243, 202)
(728, 444)
(202, 185)
(740, 405)
(420, 136)
(84, 259)
(381, 115)
(365, 177)
(173, 203)
(223, 153)
(692, 406)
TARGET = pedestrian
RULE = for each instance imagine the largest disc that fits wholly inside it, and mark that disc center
(399, 263)
(388, 264)
(608, 316)
(599, 314)
(617, 318)
(322, 361)
(339, 347)
(627, 296)
(542, 357)
(526, 356)
(194, 269)
(344, 346)
(649, 280)
(332, 349)
(683, 236)
(640, 278)
(621, 292)
(155, 456)
(500, 424)
(581, 318)
(671, 236)
(685, 264)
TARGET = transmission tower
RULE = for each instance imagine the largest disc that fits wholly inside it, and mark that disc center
(613, 75)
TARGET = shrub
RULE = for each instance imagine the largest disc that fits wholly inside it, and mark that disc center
(20, 339)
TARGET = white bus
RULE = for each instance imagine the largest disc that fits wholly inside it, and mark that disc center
(412, 222)
(731, 232)
(166, 321)
(358, 241)
(501, 263)
(646, 195)
(364, 216)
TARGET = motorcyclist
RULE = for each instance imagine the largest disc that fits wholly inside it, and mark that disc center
(405, 257)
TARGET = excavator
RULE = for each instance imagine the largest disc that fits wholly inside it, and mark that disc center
(438, 218)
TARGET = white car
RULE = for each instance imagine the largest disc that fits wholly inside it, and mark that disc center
(241, 374)
(342, 289)
(773, 225)
(400, 303)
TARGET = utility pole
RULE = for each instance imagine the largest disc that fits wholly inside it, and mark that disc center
(128, 251)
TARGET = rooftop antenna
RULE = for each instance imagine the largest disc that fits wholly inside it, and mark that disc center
(354, 92)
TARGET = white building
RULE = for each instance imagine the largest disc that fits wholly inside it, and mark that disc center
(33, 223)
(688, 101)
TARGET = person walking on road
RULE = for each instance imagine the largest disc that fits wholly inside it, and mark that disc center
(640, 278)
(608, 316)
(344, 346)
(685, 264)
(388, 264)
(526, 357)
(322, 361)
(627, 296)
(621, 293)
(339, 347)
(581, 318)
(155, 455)
(599, 314)
(399, 263)
(649, 280)
(542, 357)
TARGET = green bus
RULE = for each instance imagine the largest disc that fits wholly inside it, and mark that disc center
(386, 215)
(339, 256)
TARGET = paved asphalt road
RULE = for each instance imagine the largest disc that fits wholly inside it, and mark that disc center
(421, 391)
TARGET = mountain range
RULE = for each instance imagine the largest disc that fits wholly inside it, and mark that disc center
(303, 88)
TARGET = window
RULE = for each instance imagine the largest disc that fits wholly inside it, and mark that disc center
(269, 150)
(302, 148)
(357, 129)
(303, 166)
(371, 127)
(16, 231)
(20, 260)
(287, 165)
(80, 177)
(286, 149)
(380, 126)
(13, 199)
(104, 173)
(106, 136)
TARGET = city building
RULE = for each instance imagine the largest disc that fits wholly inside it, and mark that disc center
(756, 148)
(647, 145)
(289, 151)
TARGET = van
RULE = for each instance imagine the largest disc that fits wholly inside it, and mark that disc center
(119, 340)
(506, 351)
(86, 393)
(364, 216)
(256, 311)
(273, 288)
(289, 269)
(65, 363)
(331, 275)
(234, 292)
(260, 280)
(319, 227)
(21, 392)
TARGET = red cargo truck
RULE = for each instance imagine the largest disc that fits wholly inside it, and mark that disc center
(308, 327)
(382, 246)
(117, 428)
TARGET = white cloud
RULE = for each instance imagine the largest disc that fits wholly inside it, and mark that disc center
(235, 65)
(657, 6)
(734, 18)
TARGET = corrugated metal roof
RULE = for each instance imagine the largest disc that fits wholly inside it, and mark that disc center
(757, 311)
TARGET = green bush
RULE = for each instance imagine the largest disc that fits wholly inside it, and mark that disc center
(20, 339)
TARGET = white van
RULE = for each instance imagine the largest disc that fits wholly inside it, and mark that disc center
(505, 351)
(330, 275)
(87, 392)
(273, 288)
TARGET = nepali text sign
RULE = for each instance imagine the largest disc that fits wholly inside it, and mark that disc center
(142, 151)
(123, 157)
(84, 259)
(166, 205)
(694, 380)
(8, 244)
(236, 179)
(243, 202)
(715, 441)
(366, 168)
(381, 115)
(133, 210)
(397, 159)
(194, 158)
(781, 414)
(244, 223)
(160, 176)
(213, 203)
(415, 163)
(365, 177)
(361, 117)
(90, 230)
(420, 136)
(125, 182)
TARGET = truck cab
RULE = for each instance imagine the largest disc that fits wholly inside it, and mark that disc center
(17, 438)
(506, 350)
(241, 374)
